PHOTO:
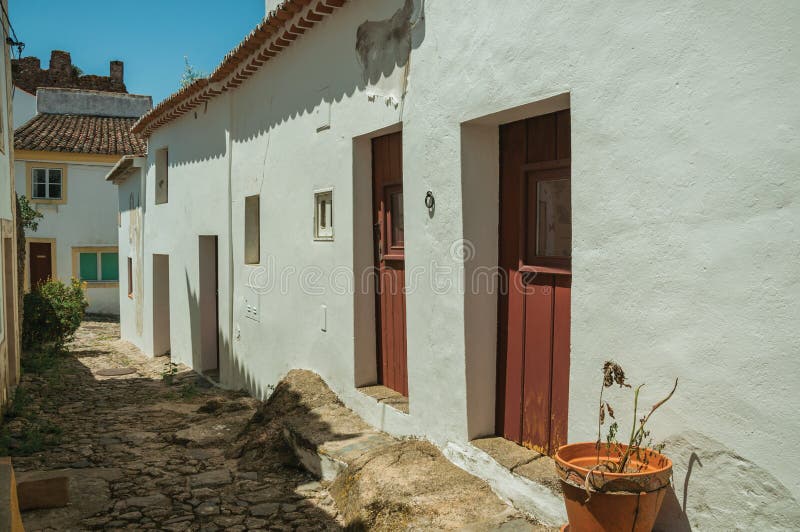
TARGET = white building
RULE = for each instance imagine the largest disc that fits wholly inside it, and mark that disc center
(24, 106)
(9, 300)
(629, 169)
(62, 157)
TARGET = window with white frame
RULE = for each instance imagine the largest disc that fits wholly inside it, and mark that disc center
(323, 215)
(47, 183)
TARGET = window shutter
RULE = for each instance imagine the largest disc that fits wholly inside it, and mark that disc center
(88, 266)
(109, 263)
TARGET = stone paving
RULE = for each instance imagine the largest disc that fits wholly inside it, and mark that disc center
(144, 454)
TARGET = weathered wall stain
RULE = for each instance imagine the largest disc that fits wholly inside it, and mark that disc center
(384, 45)
(134, 242)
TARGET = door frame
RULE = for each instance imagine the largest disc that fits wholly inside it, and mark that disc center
(385, 261)
(161, 305)
(365, 370)
(53, 261)
(204, 274)
(514, 323)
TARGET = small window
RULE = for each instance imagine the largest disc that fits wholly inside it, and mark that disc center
(130, 277)
(547, 238)
(47, 183)
(97, 266)
(323, 215)
(252, 232)
(162, 175)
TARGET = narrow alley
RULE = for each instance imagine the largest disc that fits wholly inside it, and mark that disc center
(144, 454)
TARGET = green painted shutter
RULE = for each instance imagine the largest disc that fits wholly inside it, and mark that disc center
(88, 266)
(109, 263)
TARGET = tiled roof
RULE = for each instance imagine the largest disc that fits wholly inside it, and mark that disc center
(277, 31)
(79, 134)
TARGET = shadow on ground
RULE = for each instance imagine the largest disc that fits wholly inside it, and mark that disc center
(143, 454)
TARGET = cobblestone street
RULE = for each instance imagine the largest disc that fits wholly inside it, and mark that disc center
(141, 453)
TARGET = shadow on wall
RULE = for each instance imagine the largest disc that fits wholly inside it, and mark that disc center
(744, 491)
(366, 53)
(194, 324)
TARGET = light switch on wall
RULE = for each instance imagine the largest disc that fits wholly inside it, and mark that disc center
(250, 307)
(323, 323)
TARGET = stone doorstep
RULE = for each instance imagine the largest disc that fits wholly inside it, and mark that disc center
(525, 478)
(521, 461)
(386, 396)
(330, 436)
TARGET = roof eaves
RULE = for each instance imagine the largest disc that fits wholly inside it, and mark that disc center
(123, 169)
(277, 31)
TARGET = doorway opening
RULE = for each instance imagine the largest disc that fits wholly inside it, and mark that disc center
(535, 245)
(389, 261)
(41, 261)
(161, 328)
(208, 302)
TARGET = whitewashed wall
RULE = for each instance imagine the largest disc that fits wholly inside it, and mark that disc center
(24, 106)
(685, 145)
(198, 177)
(131, 246)
(87, 219)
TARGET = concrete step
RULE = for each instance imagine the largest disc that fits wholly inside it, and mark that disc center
(382, 482)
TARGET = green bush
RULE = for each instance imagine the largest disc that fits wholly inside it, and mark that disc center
(53, 311)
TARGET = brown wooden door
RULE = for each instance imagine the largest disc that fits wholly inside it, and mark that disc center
(41, 262)
(389, 245)
(534, 306)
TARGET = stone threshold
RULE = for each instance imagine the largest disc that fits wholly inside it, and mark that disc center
(521, 461)
(386, 396)
(524, 478)
(373, 475)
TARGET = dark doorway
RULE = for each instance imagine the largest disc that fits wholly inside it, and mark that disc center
(161, 326)
(209, 304)
(40, 259)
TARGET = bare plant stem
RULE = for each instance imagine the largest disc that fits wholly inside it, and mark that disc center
(599, 417)
(634, 432)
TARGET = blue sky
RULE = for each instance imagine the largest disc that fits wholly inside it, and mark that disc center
(150, 36)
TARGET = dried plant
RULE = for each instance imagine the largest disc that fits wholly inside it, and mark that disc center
(639, 440)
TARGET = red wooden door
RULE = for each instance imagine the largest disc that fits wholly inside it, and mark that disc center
(389, 245)
(41, 262)
(534, 305)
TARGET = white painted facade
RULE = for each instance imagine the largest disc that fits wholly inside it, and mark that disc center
(9, 302)
(684, 147)
(87, 219)
(24, 106)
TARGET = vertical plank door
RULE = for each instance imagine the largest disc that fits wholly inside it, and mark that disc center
(534, 305)
(389, 246)
(41, 262)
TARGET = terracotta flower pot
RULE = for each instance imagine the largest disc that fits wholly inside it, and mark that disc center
(619, 501)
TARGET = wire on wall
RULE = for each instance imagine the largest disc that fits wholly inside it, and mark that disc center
(12, 39)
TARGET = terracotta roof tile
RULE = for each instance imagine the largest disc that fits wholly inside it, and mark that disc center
(79, 134)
